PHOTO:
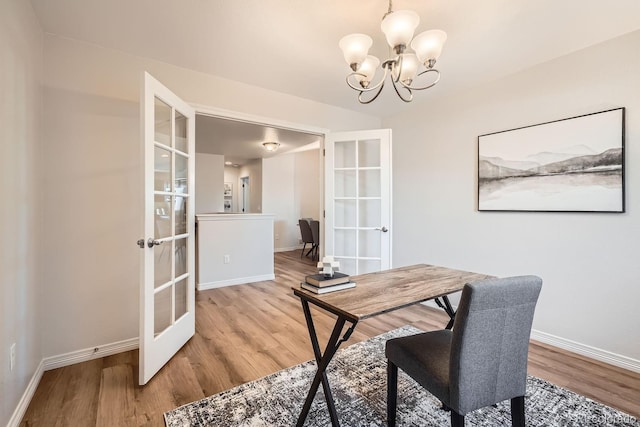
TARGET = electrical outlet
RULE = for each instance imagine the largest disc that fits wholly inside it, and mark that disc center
(227, 259)
(12, 357)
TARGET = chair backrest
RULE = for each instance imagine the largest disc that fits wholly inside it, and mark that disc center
(490, 343)
(305, 231)
(315, 231)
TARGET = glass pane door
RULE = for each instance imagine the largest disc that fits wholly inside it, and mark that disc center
(168, 284)
(358, 203)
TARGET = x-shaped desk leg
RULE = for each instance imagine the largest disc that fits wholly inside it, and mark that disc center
(323, 361)
(446, 306)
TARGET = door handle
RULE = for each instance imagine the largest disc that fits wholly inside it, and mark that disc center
(151, 243)
(383, 229)
(140, 243)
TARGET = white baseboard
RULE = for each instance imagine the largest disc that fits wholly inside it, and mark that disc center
(291, 248)
(587, 351)
(23, 404)
(231, 282)
(78, 356)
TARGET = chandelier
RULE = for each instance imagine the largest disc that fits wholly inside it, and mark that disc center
(402, 68)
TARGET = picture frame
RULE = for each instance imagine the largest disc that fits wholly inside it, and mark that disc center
(569, 165)
(228, 189)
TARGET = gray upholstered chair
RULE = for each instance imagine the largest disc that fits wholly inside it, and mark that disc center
(481, 362)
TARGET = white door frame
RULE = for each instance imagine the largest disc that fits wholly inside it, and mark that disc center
(283, 124)
(382, 230)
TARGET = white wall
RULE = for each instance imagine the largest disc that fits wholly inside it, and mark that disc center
(307, 183)
(93, 206)
(210, 173)
(245, 239)
(589, 261)
(278, 199)
(253, 170)
(21, 43)
(290, 191)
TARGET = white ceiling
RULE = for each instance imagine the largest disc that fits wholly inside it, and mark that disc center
(241, 142)
(291, 46)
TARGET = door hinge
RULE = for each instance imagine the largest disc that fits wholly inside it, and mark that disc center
(324, 152)
(324, 214)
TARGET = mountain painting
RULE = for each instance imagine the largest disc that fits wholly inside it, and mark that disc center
(569, 165)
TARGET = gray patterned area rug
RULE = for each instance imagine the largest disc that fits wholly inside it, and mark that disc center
(357, 376)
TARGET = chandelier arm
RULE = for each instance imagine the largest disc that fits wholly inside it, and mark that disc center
(360, 99)
(432, 84)
(369, 88)
(410, 98)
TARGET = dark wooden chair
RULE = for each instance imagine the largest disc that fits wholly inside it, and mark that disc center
(307, 236)
(315, 233)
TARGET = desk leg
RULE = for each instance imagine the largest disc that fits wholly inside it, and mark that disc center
(323, 361)
(445, 304)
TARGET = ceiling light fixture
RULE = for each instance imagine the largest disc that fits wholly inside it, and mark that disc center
(398, 27)
(271, 146)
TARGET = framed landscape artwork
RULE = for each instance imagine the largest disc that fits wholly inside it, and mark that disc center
(569, 165)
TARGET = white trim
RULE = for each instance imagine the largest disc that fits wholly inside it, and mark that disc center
(86, 354)
(231, 282)
(587, 351)
(25, 400)
(290, 248)
(255, 119)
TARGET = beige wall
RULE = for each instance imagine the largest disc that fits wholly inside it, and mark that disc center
(210, 173)
(92, 146)
(252, 170)
(589, 261)
(21, 214)
(307, 183)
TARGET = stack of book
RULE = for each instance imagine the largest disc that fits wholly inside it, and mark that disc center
(320, 284)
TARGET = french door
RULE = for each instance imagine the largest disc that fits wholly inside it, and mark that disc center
(358, 200)
(167, 283)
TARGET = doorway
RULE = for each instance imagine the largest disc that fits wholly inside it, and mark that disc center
(244, 187)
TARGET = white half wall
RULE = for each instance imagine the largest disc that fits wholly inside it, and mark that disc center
(93, 203)
(589, 261)
(234, 249)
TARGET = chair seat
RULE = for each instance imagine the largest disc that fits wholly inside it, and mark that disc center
(425, 357)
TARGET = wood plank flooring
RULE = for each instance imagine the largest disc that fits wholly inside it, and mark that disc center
(245, 332)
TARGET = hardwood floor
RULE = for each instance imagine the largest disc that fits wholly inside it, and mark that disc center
(245, 332)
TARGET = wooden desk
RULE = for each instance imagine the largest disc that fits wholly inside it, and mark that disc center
(375, 293)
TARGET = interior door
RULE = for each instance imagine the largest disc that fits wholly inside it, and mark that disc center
(167, 288)
(358, 200)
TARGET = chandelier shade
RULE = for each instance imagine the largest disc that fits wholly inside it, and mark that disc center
(408, 69)
(355, 48)
(428, 45)
(404, 68)
(367, 70)
(398, 27)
